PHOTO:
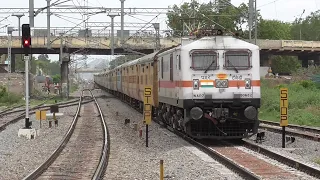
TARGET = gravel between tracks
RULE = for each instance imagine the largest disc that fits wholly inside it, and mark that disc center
(20, 156)
(130, 159)
(306, 151)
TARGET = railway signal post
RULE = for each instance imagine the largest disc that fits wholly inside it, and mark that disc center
(284, 113)
(147, 109)
(27, 131)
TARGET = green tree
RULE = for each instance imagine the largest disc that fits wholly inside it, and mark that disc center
(122, 59)
(20, 64)
(48, 67)
(56, 78)
(309, 26)
(195, 15)
(274, 29)
(285, 64)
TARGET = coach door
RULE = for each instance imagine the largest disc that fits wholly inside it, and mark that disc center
(177, 74)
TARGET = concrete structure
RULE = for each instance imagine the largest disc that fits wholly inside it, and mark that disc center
(83, 70)
(101, 45)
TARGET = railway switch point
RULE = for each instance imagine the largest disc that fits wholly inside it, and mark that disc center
(28, 133)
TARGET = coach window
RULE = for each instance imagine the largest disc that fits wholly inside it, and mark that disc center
(237, 59)
(146, 79)
(171, 67)
(162, 67)
(179, 62)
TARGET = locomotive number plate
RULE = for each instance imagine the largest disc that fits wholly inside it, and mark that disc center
(205, 77)
(202, 95)
(236, 77)
(249, 95)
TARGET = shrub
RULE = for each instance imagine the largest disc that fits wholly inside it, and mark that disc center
(8, 98)
(304, 101)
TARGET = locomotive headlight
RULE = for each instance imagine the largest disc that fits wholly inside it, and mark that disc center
(247, 83)
(196, 84)
(250, 112)
(222, 83)
(196, 113)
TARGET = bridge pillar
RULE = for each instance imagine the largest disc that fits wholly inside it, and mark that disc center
(64, 70)
(316, 61)
(265, 60)
(304, 61)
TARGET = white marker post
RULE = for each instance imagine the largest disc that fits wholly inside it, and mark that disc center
(26, 60)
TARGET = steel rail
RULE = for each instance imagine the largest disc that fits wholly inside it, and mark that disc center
(36, 107)
(315, 172)
(307, 133)
(19, 117)
(55, 154)
(293, 126)
(244, 173)
(9, 109)
(103, 163)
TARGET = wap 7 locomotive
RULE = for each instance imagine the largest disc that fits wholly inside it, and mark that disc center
(207, 87)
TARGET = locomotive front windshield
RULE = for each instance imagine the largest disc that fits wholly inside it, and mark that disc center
(208, 60)
(204, 60)
(237, 60)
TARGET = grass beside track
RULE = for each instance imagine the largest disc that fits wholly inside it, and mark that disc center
(304, 101)
(33, 102)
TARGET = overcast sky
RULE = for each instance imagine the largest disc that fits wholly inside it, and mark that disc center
(285, 10)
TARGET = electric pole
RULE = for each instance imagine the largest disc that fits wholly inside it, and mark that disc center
(112, 16)
(122, 20)
(18, 15)
(48, 25)
(157, 28)
(250, 20)
(31, 13)
(10, 29)
(255, 22)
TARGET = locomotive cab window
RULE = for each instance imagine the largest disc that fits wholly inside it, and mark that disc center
(237, 59)
(202, 60)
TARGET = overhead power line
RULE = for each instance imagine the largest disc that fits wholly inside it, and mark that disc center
(67, 9)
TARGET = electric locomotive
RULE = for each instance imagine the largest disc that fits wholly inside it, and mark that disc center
(208, 86)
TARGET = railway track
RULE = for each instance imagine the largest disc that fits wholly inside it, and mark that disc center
(3, 112)
(294, 130)
(84, 150)
(41, 105)
(245, 164)
(6, 121)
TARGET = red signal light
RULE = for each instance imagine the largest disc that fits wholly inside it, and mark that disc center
(26, 42)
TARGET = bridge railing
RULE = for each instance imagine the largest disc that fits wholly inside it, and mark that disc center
(141, 40)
